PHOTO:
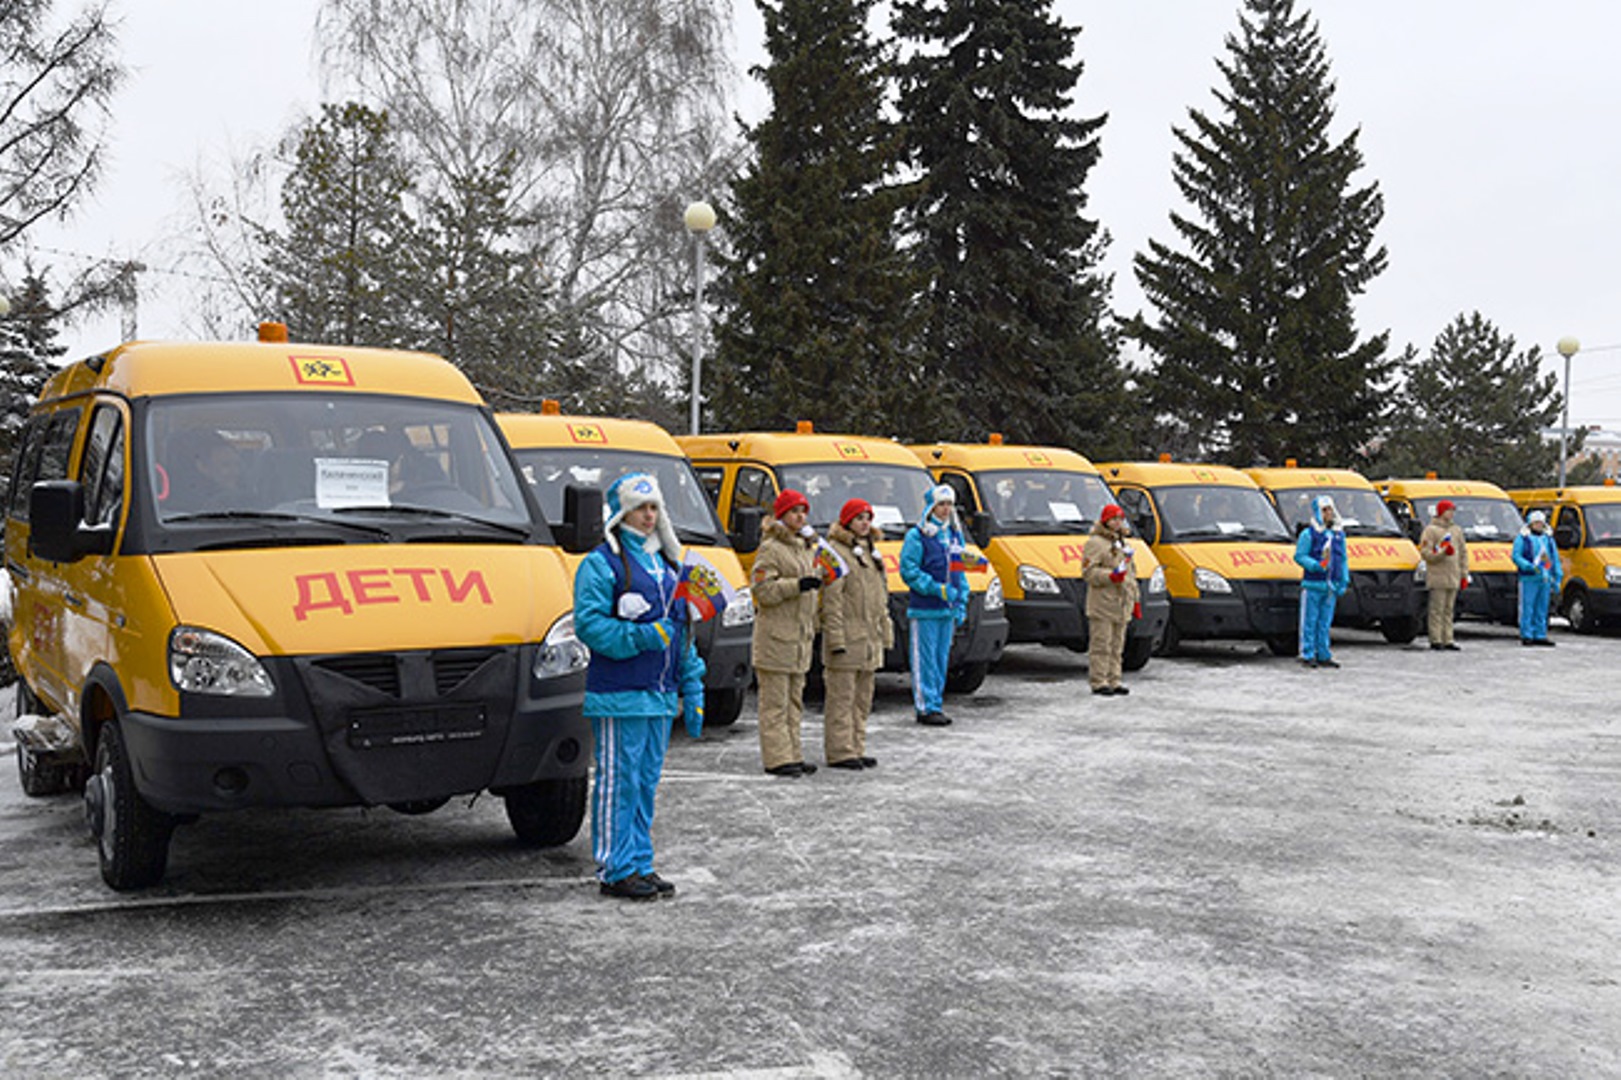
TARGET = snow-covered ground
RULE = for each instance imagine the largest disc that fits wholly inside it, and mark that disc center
(1404, 867)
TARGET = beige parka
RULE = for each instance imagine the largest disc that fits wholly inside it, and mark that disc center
(784, 615)
(856, 628)
(1443, 571)
(1107, 599)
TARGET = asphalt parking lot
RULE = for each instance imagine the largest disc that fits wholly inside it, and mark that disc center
(1406, 867)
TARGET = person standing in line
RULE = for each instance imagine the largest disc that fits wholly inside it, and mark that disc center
(1536, 557)
(855, 632)
(644, 671)
(784, 584)
(1320, 551)
(938, 602)
(1446, 570)
(1111, 598)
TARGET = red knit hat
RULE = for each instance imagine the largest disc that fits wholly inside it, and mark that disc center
(787, 501)
(1111, 512)
(1443, 506)
(851, 509)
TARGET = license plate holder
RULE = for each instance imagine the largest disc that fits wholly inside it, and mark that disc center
(414, 725)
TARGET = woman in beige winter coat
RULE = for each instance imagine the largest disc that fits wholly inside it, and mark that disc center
(1111, 598)
(1446, 570)
(856, 630)
(783, 585)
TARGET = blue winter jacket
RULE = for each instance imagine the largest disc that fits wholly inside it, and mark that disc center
(634, 671)
(1532, 550)
(937, 591)
(1316, 540)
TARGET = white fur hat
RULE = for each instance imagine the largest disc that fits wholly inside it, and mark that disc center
(638, 489)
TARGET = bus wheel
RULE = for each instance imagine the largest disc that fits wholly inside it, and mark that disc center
(1579, 610)
(547, 813)
(966, 679)
(1138, 650)
(1399, 631)
(132, 838)
(1283, 644)
(722, 707)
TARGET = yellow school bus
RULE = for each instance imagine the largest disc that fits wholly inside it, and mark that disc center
(1384, 591)
(1032, 507)
(1489, 521)
(744, 472)
(285, 574)
(556, 451)
(1586, 523)
(1228, 558)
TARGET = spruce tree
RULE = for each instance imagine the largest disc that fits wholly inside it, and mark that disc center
(1256, 346)
(1475, 408)
(1016, 336)
(335, 271)
(820, 318)
(29, 355)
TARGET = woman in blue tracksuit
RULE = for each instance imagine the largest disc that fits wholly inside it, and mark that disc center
(938, 602)
(1320, 551)
(1536, 557)
(644, 671)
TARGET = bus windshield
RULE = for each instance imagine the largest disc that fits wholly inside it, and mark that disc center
(549, 470)
(1043, 500)
(412, 463)
(1482, 517)
(896, 492)
(1362, 513)
(1213, 513)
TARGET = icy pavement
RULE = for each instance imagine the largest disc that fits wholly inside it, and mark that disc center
(1404, 867)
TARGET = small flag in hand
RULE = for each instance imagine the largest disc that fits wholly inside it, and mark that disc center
(829, 563)
(968, 561)
(703, 587)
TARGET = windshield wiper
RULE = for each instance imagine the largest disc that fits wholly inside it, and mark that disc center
(429, 511)
(275, 515)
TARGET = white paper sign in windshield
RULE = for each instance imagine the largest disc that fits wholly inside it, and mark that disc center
(883, 515)
(1065, 511)
(343, 482)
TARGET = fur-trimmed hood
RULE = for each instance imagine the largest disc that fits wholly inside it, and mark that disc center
(866, 551)
(775, 530)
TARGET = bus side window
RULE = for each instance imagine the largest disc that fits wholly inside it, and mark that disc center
(752, 491)
(711, 477)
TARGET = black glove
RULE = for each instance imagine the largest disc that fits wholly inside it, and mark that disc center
(806, 584)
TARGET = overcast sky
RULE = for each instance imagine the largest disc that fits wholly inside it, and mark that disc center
(1482, 122)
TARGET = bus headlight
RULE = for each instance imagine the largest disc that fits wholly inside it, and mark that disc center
(203, 662)
(993, 594)
(1156, 581)
(561, 653)
(740, 610)
(1209, 581)
(1612, 575)
(1033, 579)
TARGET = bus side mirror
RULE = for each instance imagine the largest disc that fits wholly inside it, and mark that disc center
(1565, 536)
(746, 537)
(582, 519)
(57, 532)
(979, 528)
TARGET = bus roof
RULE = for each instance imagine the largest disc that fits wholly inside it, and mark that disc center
(154, 368)
(975, 457)
(1173, 473)
(793, 448)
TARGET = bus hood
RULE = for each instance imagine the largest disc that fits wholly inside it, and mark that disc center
(363, 598)
(1058, 554)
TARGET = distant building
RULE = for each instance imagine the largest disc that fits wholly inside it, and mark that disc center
(1603, 444)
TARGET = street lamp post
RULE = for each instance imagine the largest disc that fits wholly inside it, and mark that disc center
(700, 218)
(1568, 347)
